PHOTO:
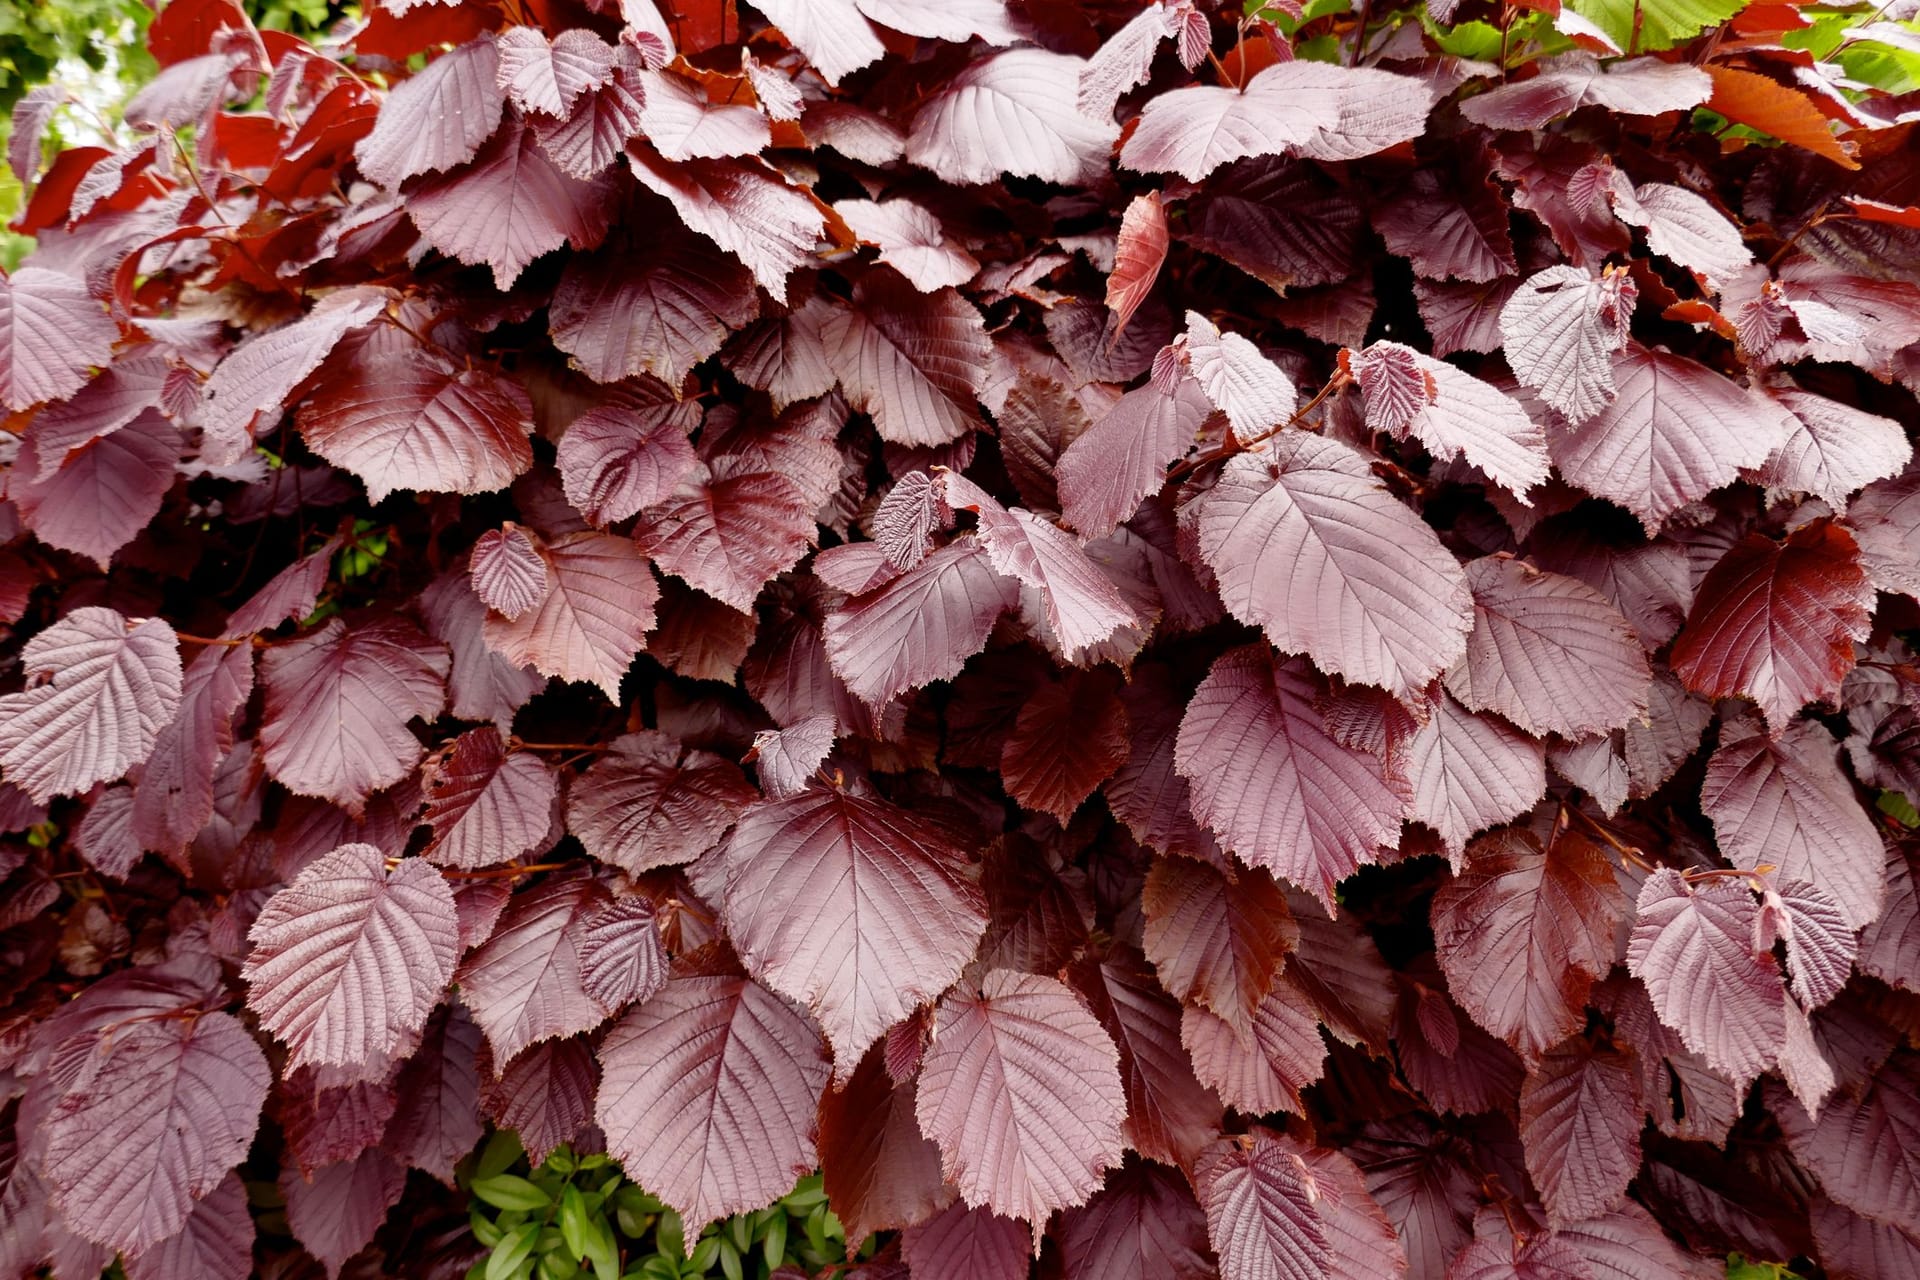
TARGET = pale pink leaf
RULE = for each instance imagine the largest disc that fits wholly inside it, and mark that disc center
(1470, 772)
(546, 78)
(1242, 383)
(258, 375)
(51, 331)
(1122, 458)
(1834, 450)
(911, 241)
(1015, 112)
(507, 572)
(437, 118)
(915, 362)
(622, 960)
(835, 38)
(1259, 1202)
(746, 210)
(1560, 329)
(921, 626)
(524, 985)
(1463, 417)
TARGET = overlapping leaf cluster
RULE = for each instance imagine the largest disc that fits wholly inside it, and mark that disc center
(1250, 643)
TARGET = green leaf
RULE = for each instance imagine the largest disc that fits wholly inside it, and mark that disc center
(561, 1161)
(485, 1230)
(507, 1191)
(502, 1149)
(1896, 806)
(774, 1247)
(730, 1261)
(704, 1253)
(1663, 23)
(513, 1250)
(671, 1235)
(807, 1194)
(573, 1222)
(740, 1230)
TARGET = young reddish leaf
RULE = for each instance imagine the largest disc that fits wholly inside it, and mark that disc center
(1549, 653)
(1069, 736)
(1122, 458)
(1021, 1091)
(1523, 933)
(1764, 104)
(101, 688)
(595, 618)
(438, 1119)
(916, 362)
(1143, 1225)
(524, 985)
(1462, 416)
(509, 206)
(334, 1213)
(215, 1244)
(709, 1096)
(337, 706)
(660, 307)
(616, 460)
(855, 908)
(1014, 113)
(959, 1243)
(546, 78)
(1560, 330)
(905, 521)
(1777, 621)
(1216, 942)
(1636, 86)
(1675, 432)
(880, 1173)
(1786, 804)
(437, 118)
(413, 421)
(545, 1095)
(160, 1113)
(487, 805)
(911, 241)
(1243, 384)
(1470, 772)
(51, 330)
(1389, 604)
(1195, 130)
(1265, 1069)
(921, 626)
(747, 211)
(835, 38)
(622, 960)
(1259, 1202)
(507, 572)
(1170, 1114)
(787, 760)
(649, 802)
(1136, 259)
(728, 532)
(259, 374)
(1835, 449)
(1271, 782)
(1694, 948)
(1580, 1118)
(348, 960)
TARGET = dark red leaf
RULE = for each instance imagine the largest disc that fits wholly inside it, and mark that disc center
(545, 1095)
(650, 802)
(525, 985)
(879, 1172)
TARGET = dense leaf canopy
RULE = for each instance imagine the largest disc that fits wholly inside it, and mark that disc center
(1183, 639)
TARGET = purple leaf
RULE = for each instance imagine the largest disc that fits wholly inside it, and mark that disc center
(1785, 803)
(1214, 941)
(854, 908)
(483, 685)
(660, 308)
(51, 330)
(437, 118)
(348, 960)
(1265, 1068)
(101, 688)
(525, 985)
(486, 805)
(215, 1244)
(1259, 1202)
(728, 532)
(1143, 1225)
(259, 375)
(749, 212)
(1524, 932)
(650, 802)
(545, 1095)
(104, 494)
(622, 961)
(1835, 450)
(1560, 329)
(1694, 946)
(1021, 1091)
(959, 1243)
(1635, 86)
(594, 619)
(507, 572)
(335, 1212)
(787, 760)
(1015, 113)
(1462, 416)
(1470, 772)
(1270, 781)
(546, 78)
(410, 420)
(337, 706)
(709, 1096)
(1580, 1118)
(289, 596)
(1549, 653)
(880, 1173)
(921, 626)
(616, 460)
(1122, 458)
(1390, 605)
(915, 362)
(161, 1112)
